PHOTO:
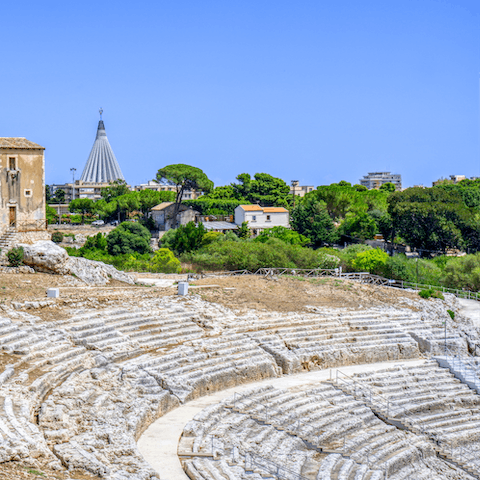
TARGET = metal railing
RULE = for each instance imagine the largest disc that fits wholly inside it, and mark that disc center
(459, 453)
(363, 277)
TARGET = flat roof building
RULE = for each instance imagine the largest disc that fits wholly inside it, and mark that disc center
(377, 179)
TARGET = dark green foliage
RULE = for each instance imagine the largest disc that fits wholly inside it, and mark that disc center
(15, 256)
(185, 177)
(250, 255)
(342, 198)
(57, 237)
(51, 215)
(114, 190)
(97, 241)
(388, 187)
(361, 226)
(208, 206)
(244, 232)
(451, 313)
(431, 293)
(285, 234)
(312, 220)
(82, 206)
(463, 272)
(433, 219)
(185, 238)
(128, 237)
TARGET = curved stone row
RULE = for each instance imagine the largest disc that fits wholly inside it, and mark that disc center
(320, 433)
(79, 391)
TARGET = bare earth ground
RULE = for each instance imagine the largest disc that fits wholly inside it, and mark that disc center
(243, 292)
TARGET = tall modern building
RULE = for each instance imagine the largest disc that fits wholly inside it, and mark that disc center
(102, 166)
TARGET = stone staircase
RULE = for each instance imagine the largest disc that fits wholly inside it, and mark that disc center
(461, 369)
(7, 239)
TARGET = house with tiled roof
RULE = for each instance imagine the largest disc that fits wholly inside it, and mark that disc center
(259, 218)
(22, 186)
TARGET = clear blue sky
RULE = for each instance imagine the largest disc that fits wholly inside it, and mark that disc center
(314, 90)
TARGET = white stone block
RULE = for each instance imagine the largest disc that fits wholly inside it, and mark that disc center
(53, 292)
(183, 288)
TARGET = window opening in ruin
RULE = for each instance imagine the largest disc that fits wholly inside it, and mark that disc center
(268, 218)
(11, 163)
(28, 193)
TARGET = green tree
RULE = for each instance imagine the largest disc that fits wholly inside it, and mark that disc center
(264, 189)
(433, 219)
(184, 177)
(51, 215)
(114, 190)
(388, 187)
(361, 226)
(59, 196)
(312, 220)
(285, 234)
(82, 206)
(48, 195)
(128, 238)
(185, 238)
(244, 232)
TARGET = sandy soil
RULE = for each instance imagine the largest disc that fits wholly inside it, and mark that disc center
(242, 292)
(295, 294)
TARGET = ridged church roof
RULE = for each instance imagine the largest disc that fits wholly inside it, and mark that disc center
(102, 166)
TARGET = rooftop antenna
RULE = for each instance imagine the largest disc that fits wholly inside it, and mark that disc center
(101, 111)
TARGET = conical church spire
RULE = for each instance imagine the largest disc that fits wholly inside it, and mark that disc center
(102, 166)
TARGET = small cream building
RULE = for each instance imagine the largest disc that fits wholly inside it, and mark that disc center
(259, 218)
(22, 185)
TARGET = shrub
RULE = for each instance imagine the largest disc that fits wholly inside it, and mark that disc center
(285, 234)
(451, 313)
(57, 237)
(164, 261)
(96, 241)
(128, 238)
(463, 272)
(15, 256)
(372, 261)
(431, 293)
(210, 237)
(251, 255)
(185, 238)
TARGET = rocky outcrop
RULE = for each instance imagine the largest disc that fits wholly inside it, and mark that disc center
(46, 256)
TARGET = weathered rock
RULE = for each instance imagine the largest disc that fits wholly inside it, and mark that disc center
(46, 256)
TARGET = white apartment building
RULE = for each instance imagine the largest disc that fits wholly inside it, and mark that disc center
(377, 179)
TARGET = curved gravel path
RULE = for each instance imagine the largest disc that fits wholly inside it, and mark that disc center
(470, 309)
(159, 442)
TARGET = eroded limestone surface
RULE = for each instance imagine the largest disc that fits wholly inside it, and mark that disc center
(79, 391)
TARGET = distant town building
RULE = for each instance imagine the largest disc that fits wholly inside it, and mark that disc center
(377, 179)
(165, 187)
(301, 190)
(259, 218)
(163, 215)
(452, 180)
(22, 185)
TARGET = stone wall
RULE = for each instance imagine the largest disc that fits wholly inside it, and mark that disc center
(32, 237)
